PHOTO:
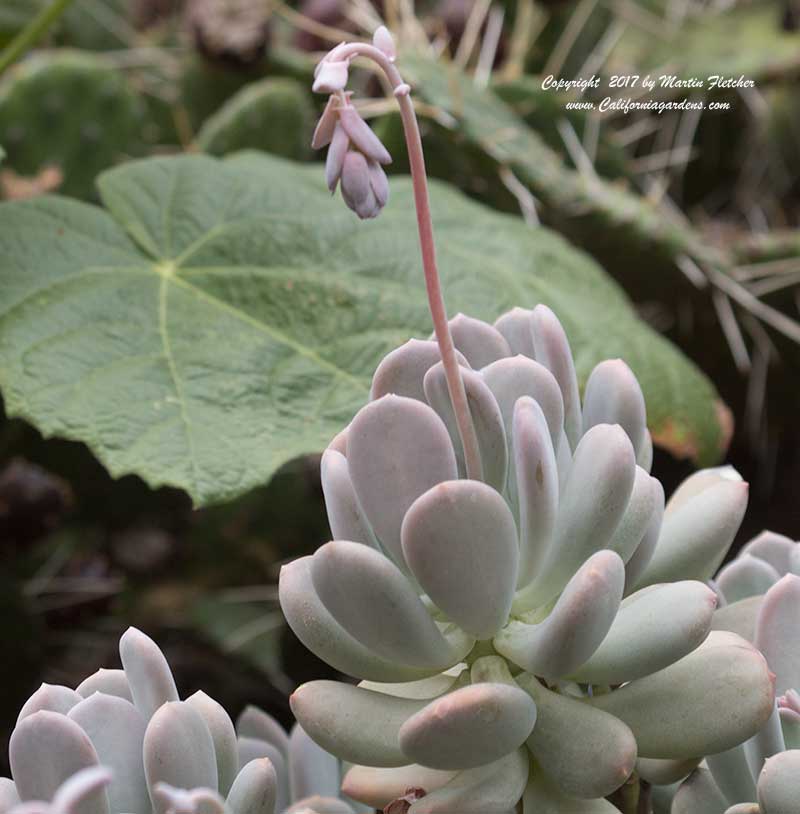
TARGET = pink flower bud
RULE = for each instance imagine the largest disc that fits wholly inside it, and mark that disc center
(360, 184)
(384, 41)
(331, 76)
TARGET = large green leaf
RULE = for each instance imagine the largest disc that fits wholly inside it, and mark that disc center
(219, 318)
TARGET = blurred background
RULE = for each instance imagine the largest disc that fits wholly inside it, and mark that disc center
(84, 556)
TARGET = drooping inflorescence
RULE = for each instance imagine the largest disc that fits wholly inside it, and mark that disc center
(123, 743)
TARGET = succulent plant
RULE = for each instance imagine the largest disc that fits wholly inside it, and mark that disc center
(122, 741)
(761, 776)
(525, 615)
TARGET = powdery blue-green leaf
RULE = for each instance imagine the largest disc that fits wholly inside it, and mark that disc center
(575, 627)
(460, 542)
(542, 796)
(219, 318)
(83, 793)
(116, 729)
(372, 600)
(51, 697)
(46, 749)
(739, 618)
(591, 506)
(254, 789)
(317, 629)
(255, 723)
(779, 783)
(223, 736)
(8, 794)
(346, 518)
(480, 342)
(147, 671)
(709, 701)
(312, 770)
(746, 576)
(472, 726)
(495, 788)
(397, 448)
(357, 725)
(377, 787)
(699, 795)
(585, 751)
(665, 772)
(255, 749)
(778, 632)
(178, 750)
(653, 629)
(109, 682)
(486, 418)
(732, 774)
(316, 804)
(775, 549)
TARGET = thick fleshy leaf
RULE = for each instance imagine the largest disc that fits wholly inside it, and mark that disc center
(254, 789)
(167, 797)
(346, 518)
(254, 749)
(354, 724)
(255, 723)
(178, 750)
(537, 486)
(460, 542)
(84, 792)
(397, 448)
(116, 729)
(592, 504)
(492, 789)
(313, 624)
(517, 328)
(223, 736)
(732, 774)
(613, 396)
(486, 418)
(636, 565)
(709, 701)
(775, 549)
(402, 371)
(746, 576)
(653, 629)
(697, 532)
(147, 671)
(480, 342)
(45, 750)
(424, 688)
(376, 787)
(779, 783)
(312, 770)
(543, 797)
(50, 697)
(645, 503)
(768, 741)
(320, 805)
(665, 772)
(510, 379)
(778, 632)
(699, 481)
(585, 751)
(739, 618)
(790, 723)
(8, 794)
(699, 795)
(662, 796)
(575, 627)
(744, 808)
(551, 348)
(109, 682)
(374, 602)
(469, 727)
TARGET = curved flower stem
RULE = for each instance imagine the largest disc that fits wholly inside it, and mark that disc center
(455, 384)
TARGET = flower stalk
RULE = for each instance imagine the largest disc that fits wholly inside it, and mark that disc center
(331, 78)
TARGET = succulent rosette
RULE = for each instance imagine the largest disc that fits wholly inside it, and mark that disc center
(761, 592)
(123, 743)
(529, 633)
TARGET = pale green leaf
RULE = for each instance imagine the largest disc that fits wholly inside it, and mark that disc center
(219, 318)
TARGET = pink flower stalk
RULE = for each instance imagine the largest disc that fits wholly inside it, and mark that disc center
(355, 156)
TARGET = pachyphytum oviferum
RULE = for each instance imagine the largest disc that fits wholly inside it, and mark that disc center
(123, 742)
